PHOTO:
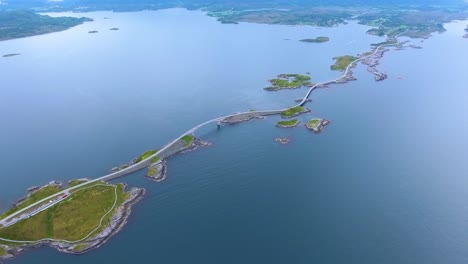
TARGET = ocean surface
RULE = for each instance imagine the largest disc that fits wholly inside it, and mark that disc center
(386, 181)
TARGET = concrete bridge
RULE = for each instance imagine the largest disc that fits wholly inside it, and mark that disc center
(169, 149)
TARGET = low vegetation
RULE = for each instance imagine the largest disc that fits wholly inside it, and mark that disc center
(187, 140)
(34, 197)
(72, 219)
(342, 62)
(293, 111)
(288, 123)
(152, 171)
(78, 247)
(387, 42)
(316, 40)
(2, 251)
(288, 81)
(313, 123)
(154, 159)
(145, 155)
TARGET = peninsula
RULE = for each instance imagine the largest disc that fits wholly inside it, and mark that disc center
(75, 222)
(19, 24)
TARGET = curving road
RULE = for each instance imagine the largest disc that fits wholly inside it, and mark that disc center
(19, 215)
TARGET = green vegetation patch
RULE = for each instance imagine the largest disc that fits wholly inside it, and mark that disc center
(288, 123)
(75, 182)
(34, 197)
(289, 81)
(154, 159)
(188, 140)
(79, 247)
(72, 219)
(145, 155)
(293, 111)
(342, 62)
(316, 40)
(2, 251)
(152, 171)
(313, 122)
(384, 43)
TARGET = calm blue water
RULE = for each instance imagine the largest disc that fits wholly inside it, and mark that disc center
(385, 182)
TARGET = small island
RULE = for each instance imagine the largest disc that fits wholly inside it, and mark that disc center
(316, 40)
(283, 141)
(289, 81)
(93, 32)
(11, 55)
(114, 28)
(341, 62)
(294, 111)
(317, 124)
(72, 222)
(288, 123)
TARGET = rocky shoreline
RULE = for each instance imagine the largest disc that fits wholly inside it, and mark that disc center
(318, 126)
(116, 223)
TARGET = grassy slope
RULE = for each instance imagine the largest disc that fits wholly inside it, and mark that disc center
(146, 155)
(187, 139)
(72, 219)
(292, 111)
(34, 197)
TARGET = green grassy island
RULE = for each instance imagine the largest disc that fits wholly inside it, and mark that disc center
(88, 215)
(313, 123)
(341, 62)
(316, 40)
(293, 111)
(288, 123)
(289, 81)
(20, 23)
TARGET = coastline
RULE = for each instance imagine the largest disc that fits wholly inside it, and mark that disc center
(116, 223)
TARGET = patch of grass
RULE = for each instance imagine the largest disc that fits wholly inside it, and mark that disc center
(291, 122)
(154, 159)
(145, 155)
(342, 62)
(71, 219)
(2, 251)
(316, 40)
(75, 182)
(187, 139)
(313, 122)
(388, 42)
(34, 197)
(152, 171)
(292, 111)
(79, 247)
